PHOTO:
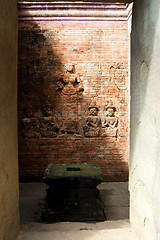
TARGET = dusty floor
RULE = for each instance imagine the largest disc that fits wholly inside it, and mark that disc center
(116, 200)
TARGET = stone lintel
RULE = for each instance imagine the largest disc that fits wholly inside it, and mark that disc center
(69, 10)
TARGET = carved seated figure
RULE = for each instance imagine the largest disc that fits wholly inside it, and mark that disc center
(30, 124)
(110, 123)
(30, 127)
(48, 124)
(93, 123)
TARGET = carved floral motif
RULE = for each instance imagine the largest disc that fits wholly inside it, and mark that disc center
(118, 74)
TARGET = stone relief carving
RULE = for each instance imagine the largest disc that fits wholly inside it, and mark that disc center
(118, 74)
(70, 87)
(110, 123)
(30, 127)
(48, 123)
(69, 84)
(93, 122)
(48, 126)
(70, 127)
(30, 124)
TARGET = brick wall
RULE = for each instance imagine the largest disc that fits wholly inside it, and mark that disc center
(70, 72)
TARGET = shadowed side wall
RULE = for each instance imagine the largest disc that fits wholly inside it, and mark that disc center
(145, 121)
(9, 212)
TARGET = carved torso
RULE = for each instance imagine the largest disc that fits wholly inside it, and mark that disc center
(111, 122)
(93, 121)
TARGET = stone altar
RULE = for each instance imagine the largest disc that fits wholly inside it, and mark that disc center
(72, 194)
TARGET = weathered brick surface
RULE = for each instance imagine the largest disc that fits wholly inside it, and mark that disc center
(98, 52)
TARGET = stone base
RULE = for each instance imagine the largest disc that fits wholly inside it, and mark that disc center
(73, 205)
(72, 194)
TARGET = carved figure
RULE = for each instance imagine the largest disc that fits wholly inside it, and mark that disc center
(69, 84)
(110, 123)
(49, 127)
(30, 127)
(30, 124)
(93, 122)
(69, 88)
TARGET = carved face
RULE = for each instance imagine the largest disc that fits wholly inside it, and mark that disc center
(69, 67)
(93, 111)
(110, 112)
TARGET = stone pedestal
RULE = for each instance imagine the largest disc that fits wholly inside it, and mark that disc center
(72, 194)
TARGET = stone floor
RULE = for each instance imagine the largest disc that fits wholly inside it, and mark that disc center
(116, 200)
